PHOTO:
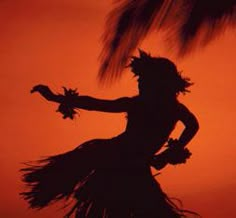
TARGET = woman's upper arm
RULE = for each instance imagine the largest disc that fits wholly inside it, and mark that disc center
(187, 117)
(115, 106)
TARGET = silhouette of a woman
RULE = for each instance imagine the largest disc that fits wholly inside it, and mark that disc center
(111, 178)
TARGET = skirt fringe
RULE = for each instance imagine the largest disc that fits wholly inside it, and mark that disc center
(102, 183)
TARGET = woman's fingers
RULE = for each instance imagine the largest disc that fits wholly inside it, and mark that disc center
(39, 88)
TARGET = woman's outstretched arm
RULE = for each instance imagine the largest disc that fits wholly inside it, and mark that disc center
(94, 104)
(85, 102)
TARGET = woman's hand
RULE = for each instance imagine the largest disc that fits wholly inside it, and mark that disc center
(65, 101)
(44, 91)
(159, 161)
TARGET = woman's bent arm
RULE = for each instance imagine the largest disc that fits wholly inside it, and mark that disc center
(191, 125)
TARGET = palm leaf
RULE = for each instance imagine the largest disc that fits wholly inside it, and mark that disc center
(187, 24)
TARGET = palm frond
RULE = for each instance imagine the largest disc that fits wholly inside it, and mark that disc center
(204, 21)
(187, 24)
(127, 25)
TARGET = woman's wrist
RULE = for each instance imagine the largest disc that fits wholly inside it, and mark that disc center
(67, 103)
(58, 98)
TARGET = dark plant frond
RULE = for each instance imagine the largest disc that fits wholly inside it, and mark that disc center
(187, 24)
(127, 25)
(204, 21)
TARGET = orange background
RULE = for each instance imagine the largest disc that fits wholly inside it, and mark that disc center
(57, 42)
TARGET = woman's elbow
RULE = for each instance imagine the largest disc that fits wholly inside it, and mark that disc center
(195, 126)
(192, 126)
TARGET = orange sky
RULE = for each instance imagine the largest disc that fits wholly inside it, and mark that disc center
(56, 42)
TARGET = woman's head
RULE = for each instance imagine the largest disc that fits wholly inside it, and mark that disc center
(158, 74)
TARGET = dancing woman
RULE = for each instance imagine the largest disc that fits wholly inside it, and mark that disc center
(111, 178)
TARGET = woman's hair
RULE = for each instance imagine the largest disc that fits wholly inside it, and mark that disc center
(161, 70)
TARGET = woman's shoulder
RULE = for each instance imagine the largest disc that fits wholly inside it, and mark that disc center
(133, 99)
(134, 103)
(181, 106)
(183, 110)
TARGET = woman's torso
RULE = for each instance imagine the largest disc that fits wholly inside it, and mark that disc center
(149, 124)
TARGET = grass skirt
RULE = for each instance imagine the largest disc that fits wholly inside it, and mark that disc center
(104, 180)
